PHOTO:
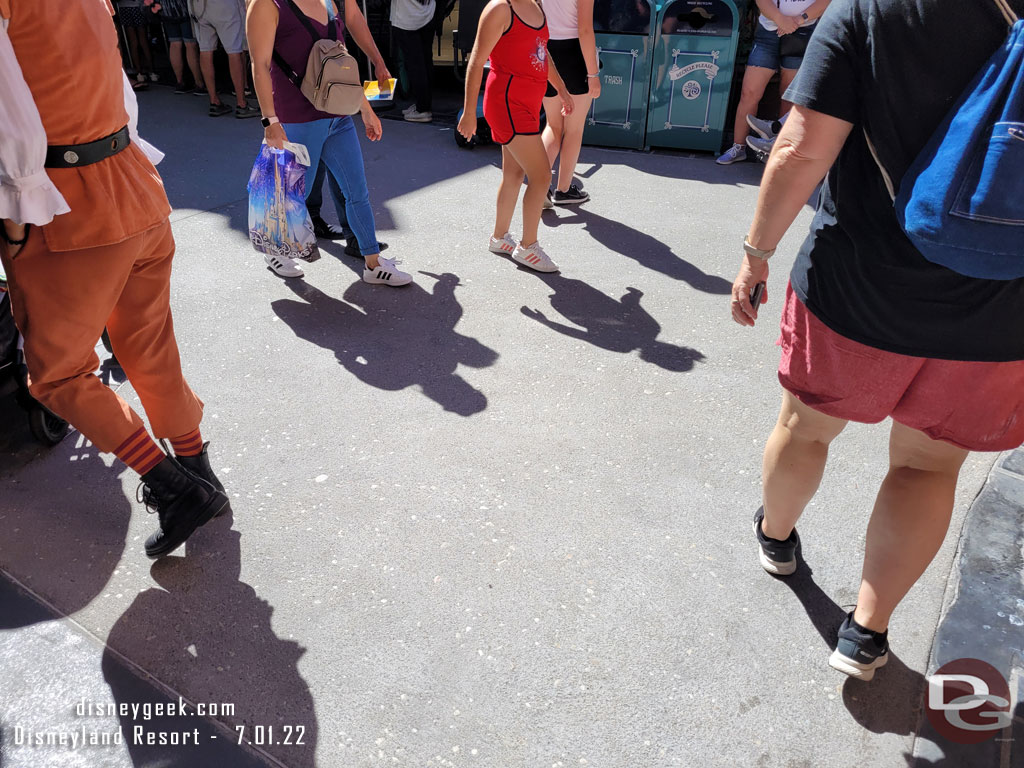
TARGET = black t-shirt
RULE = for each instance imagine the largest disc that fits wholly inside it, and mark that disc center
(896, 67)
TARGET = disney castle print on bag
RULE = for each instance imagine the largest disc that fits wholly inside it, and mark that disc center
(331, 81)
(961, 202)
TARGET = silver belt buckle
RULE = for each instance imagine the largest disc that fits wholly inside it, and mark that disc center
(70, 157)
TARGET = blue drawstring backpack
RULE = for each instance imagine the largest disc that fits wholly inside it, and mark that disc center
(961, 203)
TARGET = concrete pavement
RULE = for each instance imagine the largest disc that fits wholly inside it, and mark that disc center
(492, 519)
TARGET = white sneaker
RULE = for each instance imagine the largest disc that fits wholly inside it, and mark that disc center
(534, 258)
(548, 202)
(737, 153)
(386, 273)
(410, 108)
(505, 245)
(415, 116)
(283, 265)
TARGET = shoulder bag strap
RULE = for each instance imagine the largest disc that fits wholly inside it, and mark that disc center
(1007, 11)
(290, 73)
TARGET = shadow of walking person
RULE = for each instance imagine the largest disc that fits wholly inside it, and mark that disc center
(394, 341)
(208, 636)
(892, 701)
(618, 326)
(645, 249)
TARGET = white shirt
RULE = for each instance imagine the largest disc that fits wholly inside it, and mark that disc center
(411, 15)
(563, 19)
(27, 196)
(787, 8)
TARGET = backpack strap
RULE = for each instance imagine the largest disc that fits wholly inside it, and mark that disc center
(885, 174)
(1007, 11)
(332, 33)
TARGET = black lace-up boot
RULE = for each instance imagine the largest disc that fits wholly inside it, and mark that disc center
(200, 465)
(182, 500)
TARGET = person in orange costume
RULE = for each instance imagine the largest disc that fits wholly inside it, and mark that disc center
(86, 243)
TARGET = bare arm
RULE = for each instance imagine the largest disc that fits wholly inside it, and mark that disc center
(588, 42)
(768, 10)
(815, 11)
(261, 29)
(806, 148)
(360, 31)
(493, 22)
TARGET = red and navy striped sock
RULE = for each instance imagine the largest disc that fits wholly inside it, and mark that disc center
(188, 445)
(140, 452)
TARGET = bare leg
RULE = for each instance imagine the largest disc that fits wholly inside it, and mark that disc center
(175, 51)
(785, 78)
(192, 57)
(794, 461)
(572, 140)
(909, 522)
(147, 54)
(528, 152)
(237, 66)
(755, 80)
(209, 76)
(132, 33)
(508, 193)
(552, 135)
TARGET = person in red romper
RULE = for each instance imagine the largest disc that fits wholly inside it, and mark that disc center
(514, 34)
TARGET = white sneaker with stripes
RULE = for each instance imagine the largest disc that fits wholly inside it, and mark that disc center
(504, 246)
(386, 273)
(283, 265)
(534, 257)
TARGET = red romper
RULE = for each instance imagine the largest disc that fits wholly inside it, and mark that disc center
(518, 80)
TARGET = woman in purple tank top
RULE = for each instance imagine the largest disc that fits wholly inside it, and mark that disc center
(275, 26)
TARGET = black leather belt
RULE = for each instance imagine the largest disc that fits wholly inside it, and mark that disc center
(75, 155)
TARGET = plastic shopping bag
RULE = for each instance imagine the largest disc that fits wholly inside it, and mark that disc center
(279, 223)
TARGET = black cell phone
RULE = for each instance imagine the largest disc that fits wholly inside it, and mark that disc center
(756, 294)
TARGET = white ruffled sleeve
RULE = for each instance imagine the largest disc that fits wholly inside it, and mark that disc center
(27, 196)
(131, 106)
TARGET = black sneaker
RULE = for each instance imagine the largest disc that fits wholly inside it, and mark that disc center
(574, 196)
(216, 110)
(352, 248)
(200, 465)
(326, 231)
(200, 91)
(247, 111)
(860, 651)
(183, 502)
(777, 557)
(182, 88)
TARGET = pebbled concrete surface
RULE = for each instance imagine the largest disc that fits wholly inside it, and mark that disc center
(493, 519)
(986, 615)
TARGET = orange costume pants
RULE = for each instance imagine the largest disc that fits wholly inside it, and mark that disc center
(62, 301)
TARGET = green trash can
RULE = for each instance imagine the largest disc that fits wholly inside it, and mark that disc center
(693, 60)
(623, 32)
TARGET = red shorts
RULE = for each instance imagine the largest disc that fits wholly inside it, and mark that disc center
(512, 105)
(973, 405)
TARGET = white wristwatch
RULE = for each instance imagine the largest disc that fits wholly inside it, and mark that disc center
(757, 252)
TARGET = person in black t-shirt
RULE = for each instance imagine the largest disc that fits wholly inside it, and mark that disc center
(870, 329)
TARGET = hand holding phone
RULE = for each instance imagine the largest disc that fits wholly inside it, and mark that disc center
(756, 294)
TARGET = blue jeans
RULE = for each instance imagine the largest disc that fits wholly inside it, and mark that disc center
(335, 141)
(315, 198)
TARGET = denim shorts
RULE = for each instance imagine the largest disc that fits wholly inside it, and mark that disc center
(765, 52)
(179, 29)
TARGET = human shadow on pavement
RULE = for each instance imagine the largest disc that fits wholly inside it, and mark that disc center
(891, 702)
(205, 633)
(64, 519)
(394, 338)
(645, 249)
(617, 326)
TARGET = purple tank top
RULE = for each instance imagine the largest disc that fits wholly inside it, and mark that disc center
(293, 43)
